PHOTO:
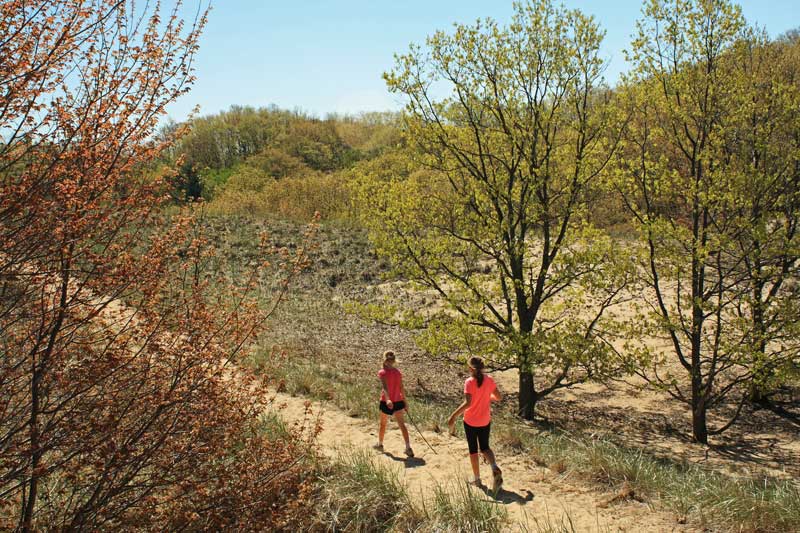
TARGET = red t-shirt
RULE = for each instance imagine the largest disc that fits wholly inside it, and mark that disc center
(393, 379)
(479, 412)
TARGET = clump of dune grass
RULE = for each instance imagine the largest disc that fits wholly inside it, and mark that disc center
(562, 523)
(548, 524)
(710, 498)
(456, 507)
(358, 493)
(274, 426)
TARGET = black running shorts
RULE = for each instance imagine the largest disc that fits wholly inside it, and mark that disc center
(477, 437)
(396, 406)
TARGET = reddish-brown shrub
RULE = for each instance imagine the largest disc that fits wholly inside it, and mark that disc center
(121, 405)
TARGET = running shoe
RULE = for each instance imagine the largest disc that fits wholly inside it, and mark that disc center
(497, 478)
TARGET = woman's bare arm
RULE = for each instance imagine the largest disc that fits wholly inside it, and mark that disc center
(460, 409)
(385, 391)
(496, 394)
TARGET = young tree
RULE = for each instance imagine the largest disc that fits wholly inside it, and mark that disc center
(118, 407)
(763, 151)
(707, 172)
(510, 126)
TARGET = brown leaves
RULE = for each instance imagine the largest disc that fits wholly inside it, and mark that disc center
(119, 406)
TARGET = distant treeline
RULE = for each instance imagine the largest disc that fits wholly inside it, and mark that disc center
(235, 158)
(288, 163)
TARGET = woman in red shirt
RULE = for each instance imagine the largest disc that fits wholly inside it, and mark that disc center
(479, 391)
(392, 402)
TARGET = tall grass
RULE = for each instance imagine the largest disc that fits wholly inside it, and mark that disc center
(549, 524)
(358, 493)
(274, 426)
(456, 507)
(562, 523)
(708, 498)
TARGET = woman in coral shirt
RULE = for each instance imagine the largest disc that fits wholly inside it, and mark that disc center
(479, 391)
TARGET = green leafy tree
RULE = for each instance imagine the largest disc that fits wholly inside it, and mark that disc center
(508, 127)
(764, 153)
(707, 160)
(273, 163)
(188, 183)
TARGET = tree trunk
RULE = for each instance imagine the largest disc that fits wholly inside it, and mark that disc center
(527, 395)
(36, 453)
(759, 392)
(700, 239)
(761, 376)
(699, 408)
(699, 426)
(758, 395)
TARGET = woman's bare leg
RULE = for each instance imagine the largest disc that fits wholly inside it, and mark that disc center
(382, 428)
(398, 416)
(476, 467)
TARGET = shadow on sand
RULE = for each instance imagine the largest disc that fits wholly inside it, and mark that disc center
(508, 496)
(408, 462)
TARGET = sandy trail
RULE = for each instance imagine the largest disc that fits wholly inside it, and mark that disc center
(530, 491)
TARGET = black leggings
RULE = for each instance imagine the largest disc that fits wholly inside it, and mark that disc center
(477, 437)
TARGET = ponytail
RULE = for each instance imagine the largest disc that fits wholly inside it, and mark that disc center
(476, 363)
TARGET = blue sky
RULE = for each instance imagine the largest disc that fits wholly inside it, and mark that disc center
(328, 55)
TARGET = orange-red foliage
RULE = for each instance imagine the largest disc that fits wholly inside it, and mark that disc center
(119, 404)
